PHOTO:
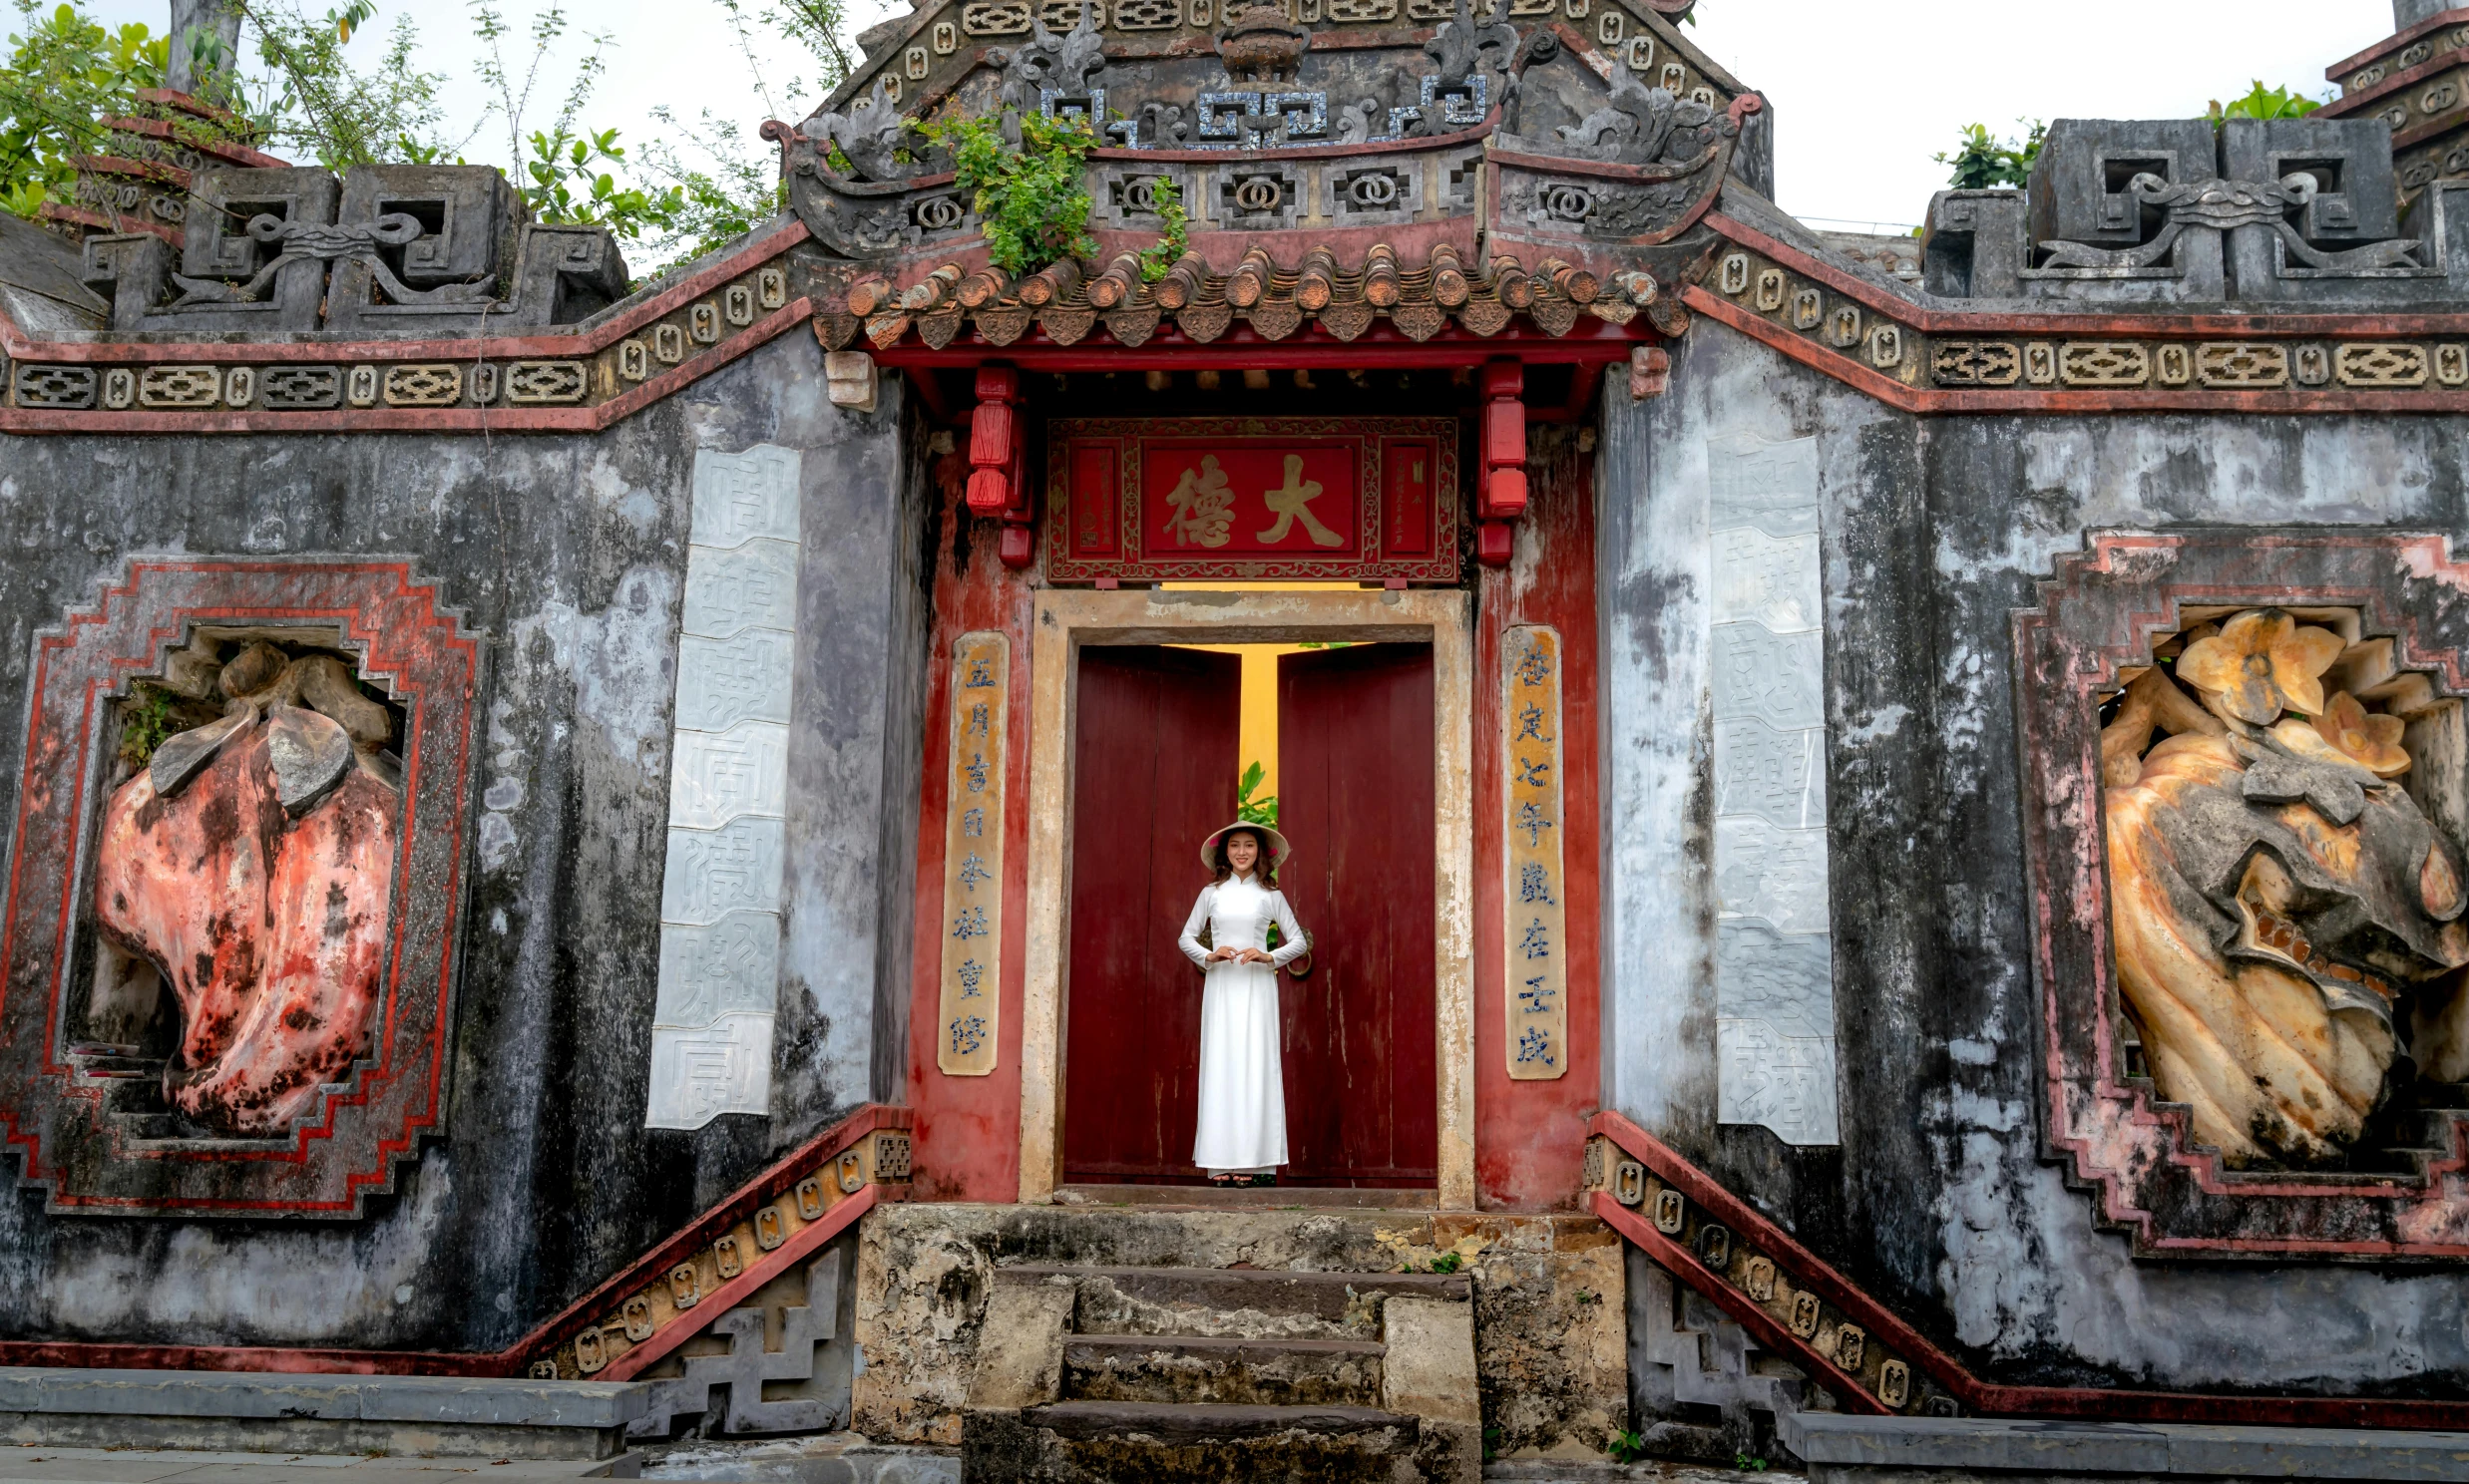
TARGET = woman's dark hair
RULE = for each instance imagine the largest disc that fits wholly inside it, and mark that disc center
(1264, 868)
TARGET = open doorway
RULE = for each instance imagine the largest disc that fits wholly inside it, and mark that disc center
(1342, 737)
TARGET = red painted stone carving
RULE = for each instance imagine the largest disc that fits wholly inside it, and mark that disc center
(322, 891)
(256, 880)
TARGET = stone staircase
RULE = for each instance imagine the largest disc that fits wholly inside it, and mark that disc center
(1094, 1373)
(1702, 1364)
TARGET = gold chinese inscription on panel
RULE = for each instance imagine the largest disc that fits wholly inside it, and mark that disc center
(1539, 965)
(972, 835)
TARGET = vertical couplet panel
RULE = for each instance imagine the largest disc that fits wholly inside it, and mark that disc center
(1536, 894)
(1355, 798)
(1153, 769)
(973, 879)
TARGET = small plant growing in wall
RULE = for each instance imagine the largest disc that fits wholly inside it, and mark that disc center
(1033, 200)
(1626, 1447)
(1170, 246)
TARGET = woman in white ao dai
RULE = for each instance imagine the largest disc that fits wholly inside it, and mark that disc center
(1242, 1085)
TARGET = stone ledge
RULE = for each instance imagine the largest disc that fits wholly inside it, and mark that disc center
(1840, 1447)
(419, 1399)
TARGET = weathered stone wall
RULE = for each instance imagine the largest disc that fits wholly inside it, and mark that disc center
(1933, 532)
(1550, 1337)
(568, 553)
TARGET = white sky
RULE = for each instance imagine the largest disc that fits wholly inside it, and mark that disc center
(1864, 95)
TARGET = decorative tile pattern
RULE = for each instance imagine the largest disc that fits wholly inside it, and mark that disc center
(711, 1023)
(1538, 937)
(1774, 959)
(973, 841)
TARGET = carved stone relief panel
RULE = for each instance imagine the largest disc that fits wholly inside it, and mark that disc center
(2243, 756)
(235, 877)
(1774, 958)
(720, 909)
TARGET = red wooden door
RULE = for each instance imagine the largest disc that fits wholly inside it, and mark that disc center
(1154, 771)
(1355, 798)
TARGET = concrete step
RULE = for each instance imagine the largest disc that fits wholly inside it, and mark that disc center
(1216, 1370)
(1844, 1449)
(259, 1412)
(1237, 1302)
(1080, 1442)
(1202, 1195)
(52, 1465)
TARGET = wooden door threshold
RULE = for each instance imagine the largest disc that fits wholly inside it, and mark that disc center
(1272, 1198)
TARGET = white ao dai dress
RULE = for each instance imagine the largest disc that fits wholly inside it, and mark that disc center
(1242, 1085)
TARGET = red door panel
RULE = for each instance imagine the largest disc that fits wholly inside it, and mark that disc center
(1154, 771)
(1355, 799)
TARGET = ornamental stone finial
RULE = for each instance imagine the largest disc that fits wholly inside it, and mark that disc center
(2407, 13)
(216, 24)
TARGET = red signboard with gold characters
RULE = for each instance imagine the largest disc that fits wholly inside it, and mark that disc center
(1152, 499)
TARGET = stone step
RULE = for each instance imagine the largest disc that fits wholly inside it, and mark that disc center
(1208, 1370)
(1172, 1442)
(283, 1412)
(1237, 1302)
(1205, 1197)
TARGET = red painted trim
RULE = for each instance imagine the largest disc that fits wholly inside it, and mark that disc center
(2164, 326)
(966, 1144)
(2401, 82)
(783, 1175)
(1923, 402)
(97, 221)
(1809, 1271)
(1593, 340)
(736, 1206)
(572, 345)
(1683, 1264)
(589, 419)
(744, 1284)
(1842, 368)
(230, 154)
(2427, 27)
(809, 1237)
(1529, 1135)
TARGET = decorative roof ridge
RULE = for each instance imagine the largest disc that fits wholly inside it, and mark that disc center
(597, 333)
(2425, 27)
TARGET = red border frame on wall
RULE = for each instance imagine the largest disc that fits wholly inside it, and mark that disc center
(52, 1118)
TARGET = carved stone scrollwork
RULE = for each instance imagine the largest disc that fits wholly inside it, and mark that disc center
(868, 136)
(2224, 205)
(299, 241)
(1639, 125)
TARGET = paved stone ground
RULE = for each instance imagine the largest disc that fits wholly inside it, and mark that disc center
(49, 1465)
(1571, 1471)
(840, 1459)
